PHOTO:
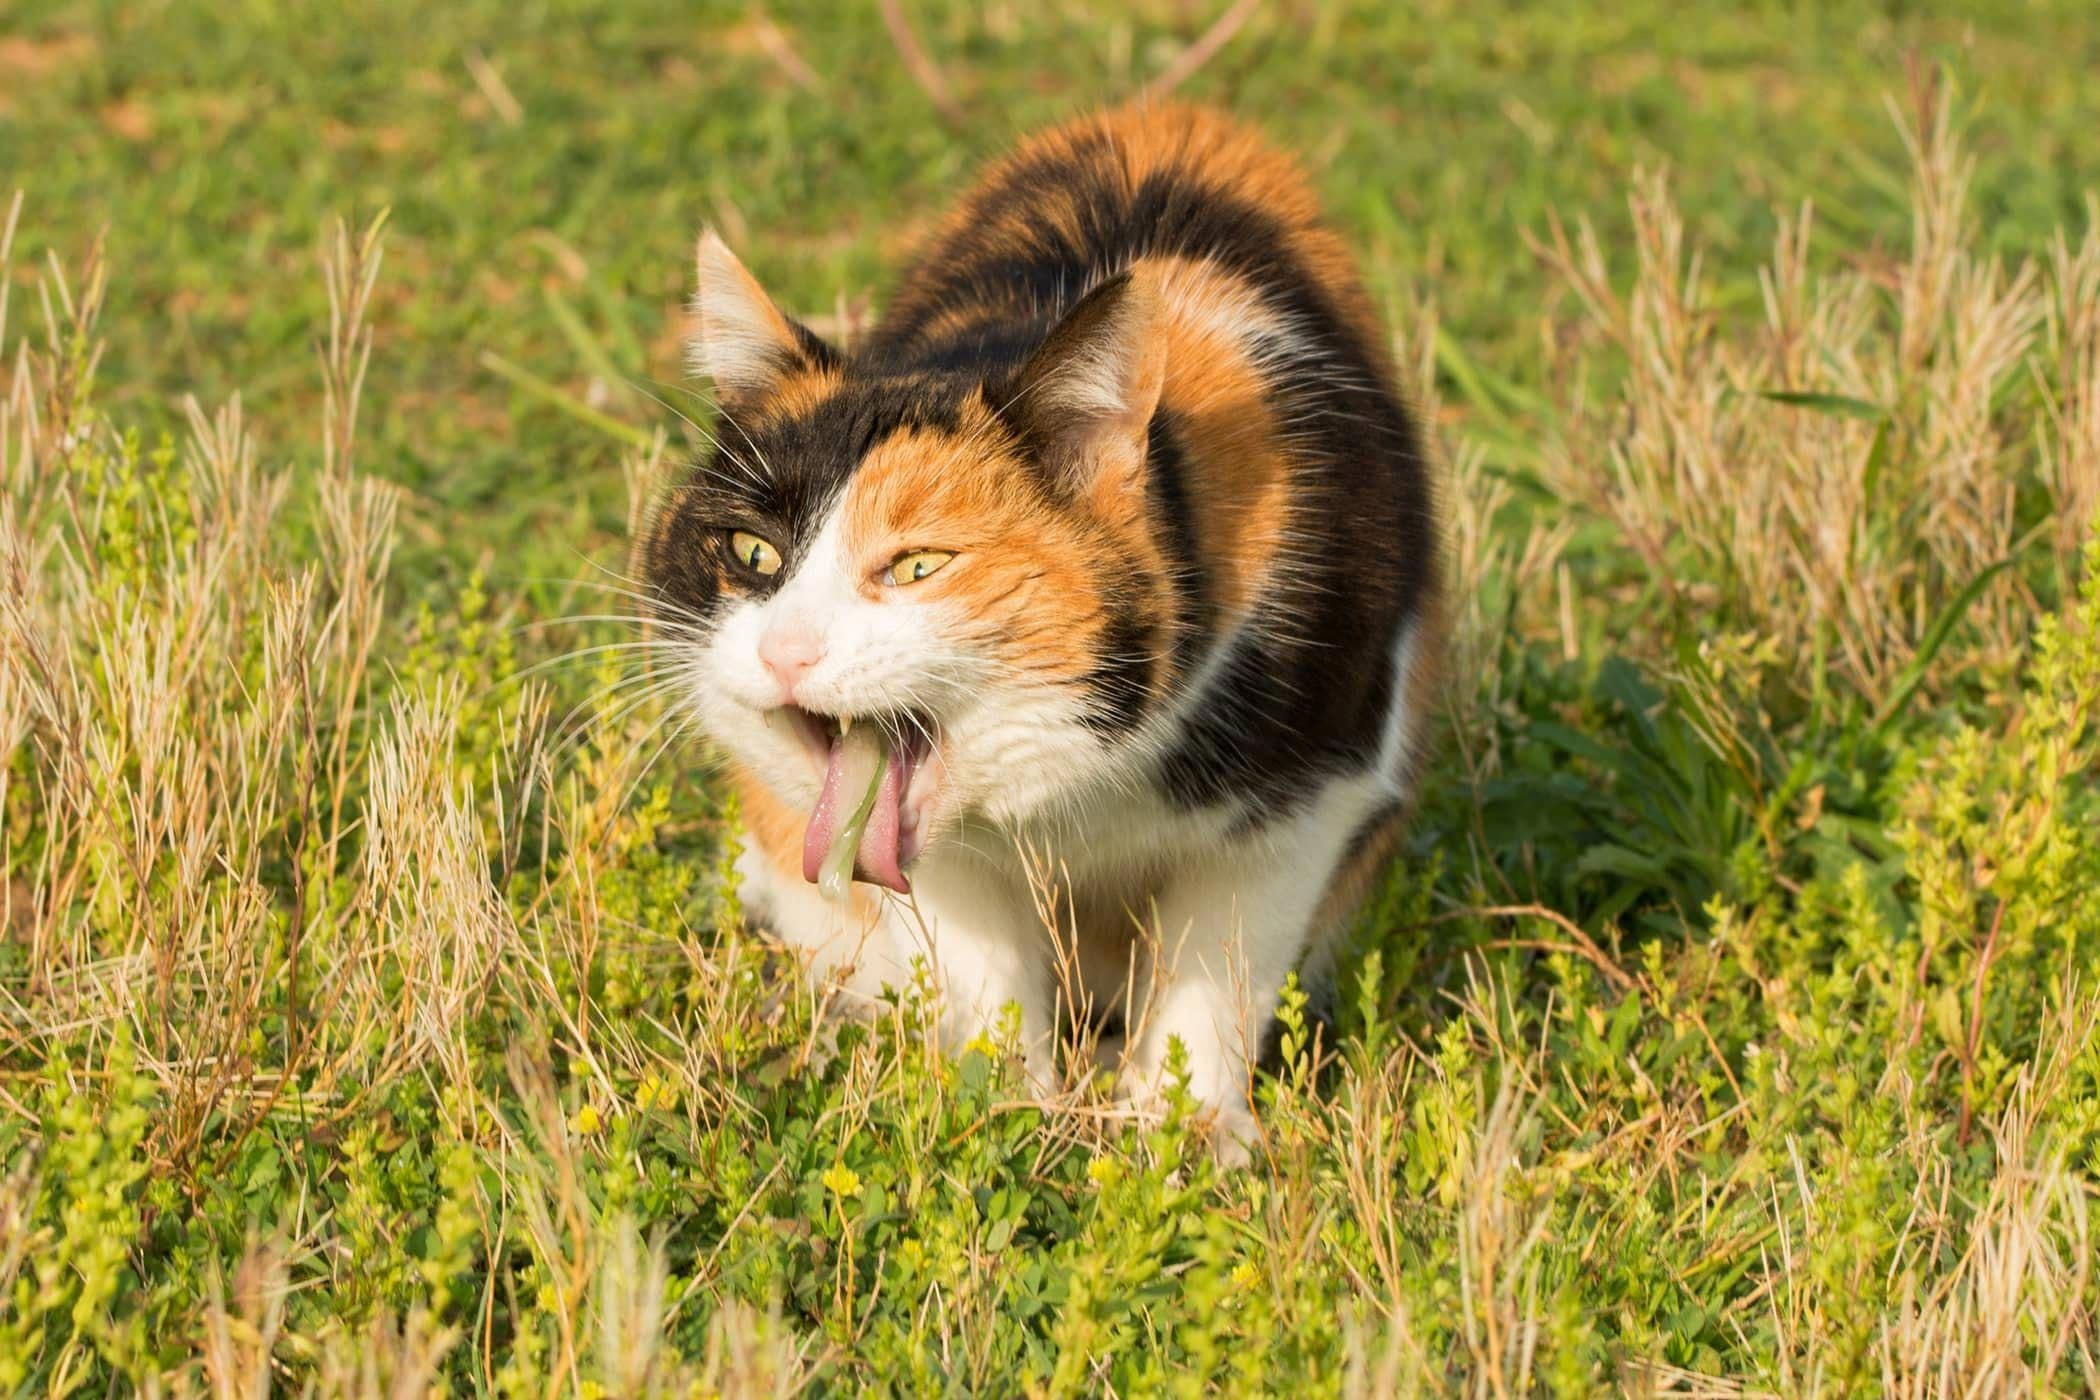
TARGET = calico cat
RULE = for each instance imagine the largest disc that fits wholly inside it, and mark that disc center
(1098, 589)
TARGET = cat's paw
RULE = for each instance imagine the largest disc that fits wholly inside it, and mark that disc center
(1234, 1136)
(1233, 1132)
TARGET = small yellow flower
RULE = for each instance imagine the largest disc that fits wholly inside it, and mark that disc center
(842, 1180)
(549, 1298)
(1104, 1171)
(983, 1044)
(1244, 1275)
(586, 1121)
(654, 1093)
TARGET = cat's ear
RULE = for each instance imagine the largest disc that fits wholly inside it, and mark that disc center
(741, 340)
(1084, 401)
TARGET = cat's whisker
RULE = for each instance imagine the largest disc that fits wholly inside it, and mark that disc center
(678, 726)
(580, 725)
(644, 646)
(640, 590)
(682, 631)
(633, 588)
(640, 384)
(745, 434)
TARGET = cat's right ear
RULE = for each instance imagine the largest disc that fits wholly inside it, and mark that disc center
(741, 340)
(1085, 398)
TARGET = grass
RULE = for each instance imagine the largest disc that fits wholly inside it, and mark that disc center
(378, 1011)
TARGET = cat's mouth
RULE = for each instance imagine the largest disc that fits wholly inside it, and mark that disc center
(869, 797)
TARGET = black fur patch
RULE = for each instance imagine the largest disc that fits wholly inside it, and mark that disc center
(1166, 493)
(778, 478)
(1121, 680)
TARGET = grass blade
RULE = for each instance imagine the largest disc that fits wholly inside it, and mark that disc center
(1913, 675)
(555, 397)
(1836, 405)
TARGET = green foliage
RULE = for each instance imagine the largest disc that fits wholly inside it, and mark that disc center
(1741, 1142)
(377, 1006)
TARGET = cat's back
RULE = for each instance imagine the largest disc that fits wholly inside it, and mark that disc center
(1077, 203)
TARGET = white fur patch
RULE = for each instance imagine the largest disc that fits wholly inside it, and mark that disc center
(1095, 382)
(1396, 742)
(1218, 305)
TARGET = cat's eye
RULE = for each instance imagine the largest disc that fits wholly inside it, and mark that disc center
(912, 567)
(753, 553)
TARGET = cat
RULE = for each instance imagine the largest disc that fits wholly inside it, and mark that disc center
(1098, 590)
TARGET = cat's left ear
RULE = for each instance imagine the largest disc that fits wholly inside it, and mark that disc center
(741, 340)
(1085, 399)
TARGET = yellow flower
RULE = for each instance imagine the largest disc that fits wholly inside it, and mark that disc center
(983, 1044)
(1104, 1171)
(842, 1180)
(586, 1121)
(654, 1093)
(1244, 1275)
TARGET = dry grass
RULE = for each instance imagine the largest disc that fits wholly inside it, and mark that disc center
(297, 879)
(1843, 519)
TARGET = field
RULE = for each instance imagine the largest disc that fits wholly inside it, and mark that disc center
(377, 1012)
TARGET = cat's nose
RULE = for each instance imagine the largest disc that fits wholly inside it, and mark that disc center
(788, 654)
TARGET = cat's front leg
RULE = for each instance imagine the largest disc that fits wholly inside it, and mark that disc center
(1230, 927)
(847, 947)
(973, 924)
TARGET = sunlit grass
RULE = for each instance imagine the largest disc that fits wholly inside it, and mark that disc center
(377, 1009)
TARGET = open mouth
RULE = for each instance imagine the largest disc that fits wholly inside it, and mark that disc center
(865, 821)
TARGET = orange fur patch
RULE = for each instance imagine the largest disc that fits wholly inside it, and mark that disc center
(1031, 577)
(1238, 484)
(795, 396)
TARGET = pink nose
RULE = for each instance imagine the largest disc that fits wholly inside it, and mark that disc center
(789, 655)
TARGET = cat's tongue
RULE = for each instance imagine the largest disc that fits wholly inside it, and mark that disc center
(854, 830)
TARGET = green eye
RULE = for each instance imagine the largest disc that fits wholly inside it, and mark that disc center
(910, 568)
(754, 553)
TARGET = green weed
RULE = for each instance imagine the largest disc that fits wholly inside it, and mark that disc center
(377, 1010)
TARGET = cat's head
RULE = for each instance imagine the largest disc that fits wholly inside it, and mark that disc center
(960, 558)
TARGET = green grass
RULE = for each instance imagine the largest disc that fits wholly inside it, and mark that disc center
(1439, 134)
(373, 1000)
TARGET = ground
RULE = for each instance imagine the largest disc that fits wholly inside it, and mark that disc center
(377, 1000)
